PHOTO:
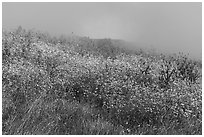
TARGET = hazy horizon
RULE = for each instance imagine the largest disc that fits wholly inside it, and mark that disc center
(168, 27)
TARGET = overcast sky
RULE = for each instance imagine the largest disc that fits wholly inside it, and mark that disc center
(170, 27)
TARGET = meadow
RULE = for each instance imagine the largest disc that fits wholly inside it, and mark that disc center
(81, 86)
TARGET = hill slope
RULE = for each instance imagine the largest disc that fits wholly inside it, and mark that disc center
(84, 86)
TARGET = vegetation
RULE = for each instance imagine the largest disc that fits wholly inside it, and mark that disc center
(81, 86)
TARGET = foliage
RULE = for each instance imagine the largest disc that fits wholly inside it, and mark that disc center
(83, 86)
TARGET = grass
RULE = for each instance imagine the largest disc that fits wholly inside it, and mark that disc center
(61, 86)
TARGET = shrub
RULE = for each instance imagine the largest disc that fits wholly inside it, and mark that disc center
(64, 89)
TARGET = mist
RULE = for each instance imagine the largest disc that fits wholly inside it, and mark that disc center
(167, 27)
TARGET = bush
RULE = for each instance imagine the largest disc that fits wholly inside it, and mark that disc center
(50, 88)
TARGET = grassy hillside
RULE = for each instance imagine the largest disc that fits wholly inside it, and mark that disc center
(78, 86)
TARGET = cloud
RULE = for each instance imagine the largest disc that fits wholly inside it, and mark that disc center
(169, 27)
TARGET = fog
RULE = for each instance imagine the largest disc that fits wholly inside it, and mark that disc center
(167, 27)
